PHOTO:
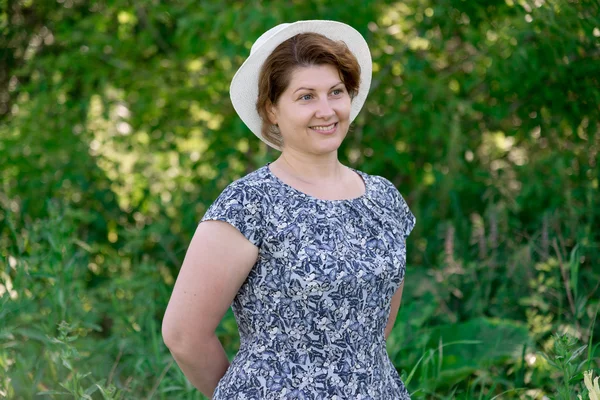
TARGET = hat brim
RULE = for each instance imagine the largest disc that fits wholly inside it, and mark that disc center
(244, 85)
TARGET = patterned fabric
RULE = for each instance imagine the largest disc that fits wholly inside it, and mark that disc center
(313, 310)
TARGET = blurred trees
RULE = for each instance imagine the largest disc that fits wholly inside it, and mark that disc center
(484, 113)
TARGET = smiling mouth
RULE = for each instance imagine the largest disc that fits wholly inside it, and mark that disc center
(325, 128)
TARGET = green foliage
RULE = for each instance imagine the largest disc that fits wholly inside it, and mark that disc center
(116, 133)
(73, 383)
(454, 352)
(564, 358)
(69, 330)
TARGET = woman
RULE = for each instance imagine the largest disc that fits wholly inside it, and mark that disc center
(310, 252)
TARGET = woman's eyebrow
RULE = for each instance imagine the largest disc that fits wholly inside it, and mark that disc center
(303, 88)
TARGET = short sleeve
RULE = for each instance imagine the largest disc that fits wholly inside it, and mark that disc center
(400, 209)
(407, 218)
(240, 206)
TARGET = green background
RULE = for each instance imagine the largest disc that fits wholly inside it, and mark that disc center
(117, 132)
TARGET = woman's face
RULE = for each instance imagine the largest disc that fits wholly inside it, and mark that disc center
(313, 112)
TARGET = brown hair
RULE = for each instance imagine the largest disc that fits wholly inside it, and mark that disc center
(302, 50)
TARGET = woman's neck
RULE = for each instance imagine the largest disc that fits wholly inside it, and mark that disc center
(311, 170)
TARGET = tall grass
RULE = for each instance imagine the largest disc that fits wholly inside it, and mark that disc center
(82, 320)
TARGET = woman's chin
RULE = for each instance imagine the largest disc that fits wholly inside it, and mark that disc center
(328, 145)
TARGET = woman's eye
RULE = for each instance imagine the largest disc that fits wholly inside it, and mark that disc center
(335, 92)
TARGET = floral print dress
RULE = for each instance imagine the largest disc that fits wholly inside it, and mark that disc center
(313, 309)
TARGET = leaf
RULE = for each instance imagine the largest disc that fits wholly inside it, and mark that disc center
(67, 364)
(52, 392)
(477, 344)
(30, 333)
(574, 269)
(548, 360)
(576, 353)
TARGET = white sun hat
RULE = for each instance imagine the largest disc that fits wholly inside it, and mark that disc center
(244, 85)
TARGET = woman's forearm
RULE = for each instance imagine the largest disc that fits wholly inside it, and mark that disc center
(203, 366)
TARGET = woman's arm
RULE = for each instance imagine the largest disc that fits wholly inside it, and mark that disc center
(216, 264)
(394, 306)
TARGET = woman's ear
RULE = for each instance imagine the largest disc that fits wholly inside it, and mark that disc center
(271, 112)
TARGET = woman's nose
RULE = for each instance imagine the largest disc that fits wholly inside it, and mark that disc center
(324, 110)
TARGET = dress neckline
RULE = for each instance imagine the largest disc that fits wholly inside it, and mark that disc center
(362, 175)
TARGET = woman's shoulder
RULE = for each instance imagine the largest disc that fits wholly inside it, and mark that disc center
(255, 179)
(378, 184)
(384, 191)
(390, 198)
(241, 204)
(255, 183)
(254, 187)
